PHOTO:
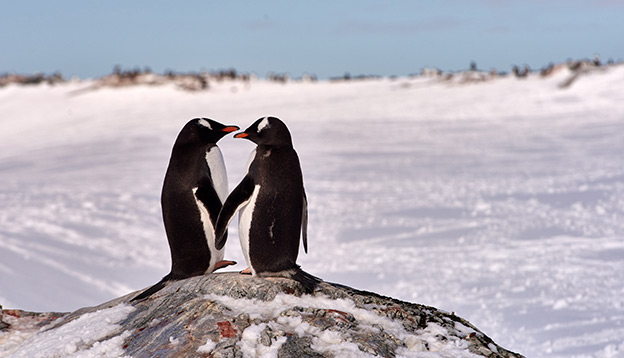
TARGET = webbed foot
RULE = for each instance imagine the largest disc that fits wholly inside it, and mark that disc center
(224, 263)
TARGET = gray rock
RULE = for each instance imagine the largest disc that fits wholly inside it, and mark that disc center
(238, 314)
(296, 346)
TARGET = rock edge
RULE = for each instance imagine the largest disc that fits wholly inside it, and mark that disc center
(214, 312)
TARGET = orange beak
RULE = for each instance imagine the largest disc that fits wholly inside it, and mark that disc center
(230, 129)
(241, 135)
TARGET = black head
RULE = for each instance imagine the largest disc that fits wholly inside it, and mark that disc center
(204, 130)
(267, 131)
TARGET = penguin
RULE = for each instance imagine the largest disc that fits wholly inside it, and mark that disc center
(193, 191)
(273, 206)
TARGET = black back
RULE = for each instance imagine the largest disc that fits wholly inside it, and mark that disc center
(280, 207)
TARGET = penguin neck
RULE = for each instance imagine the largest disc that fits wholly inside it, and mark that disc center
(264, 150)
(267, 148)
(188, 155)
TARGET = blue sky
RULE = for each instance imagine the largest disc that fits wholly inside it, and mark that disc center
(326, 38)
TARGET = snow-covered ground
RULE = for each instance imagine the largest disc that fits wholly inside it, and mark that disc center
(501, 201)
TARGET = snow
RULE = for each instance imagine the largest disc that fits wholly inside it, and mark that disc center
(208, 347)
(250, 347)
(330, 342)
(501, 201)
(81, 337)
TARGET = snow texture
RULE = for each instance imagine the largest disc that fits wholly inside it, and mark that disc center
(82, 337)
(502, 201)
(329, 342)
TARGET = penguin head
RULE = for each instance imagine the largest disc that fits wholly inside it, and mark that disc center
(267, 131)
(204, 130)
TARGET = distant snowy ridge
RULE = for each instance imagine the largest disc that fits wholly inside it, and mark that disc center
(228, 314)
(197, 81)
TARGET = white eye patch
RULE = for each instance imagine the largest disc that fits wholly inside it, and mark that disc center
(263, 124)
(204, 123)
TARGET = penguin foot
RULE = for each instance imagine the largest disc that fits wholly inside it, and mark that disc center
(224, 263)
(246, 271)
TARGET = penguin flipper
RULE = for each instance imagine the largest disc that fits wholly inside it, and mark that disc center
(237, 199)
(304, 223)
(208, 196)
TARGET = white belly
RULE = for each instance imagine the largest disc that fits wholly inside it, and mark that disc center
(215, 162)
(244, 225)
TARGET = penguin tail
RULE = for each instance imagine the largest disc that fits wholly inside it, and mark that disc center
(150, 291)
(309, 282)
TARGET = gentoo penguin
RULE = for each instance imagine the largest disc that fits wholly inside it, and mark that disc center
(194, 189)
(273, 206)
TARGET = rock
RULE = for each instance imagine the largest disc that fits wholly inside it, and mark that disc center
(296, 346)
(233, 315)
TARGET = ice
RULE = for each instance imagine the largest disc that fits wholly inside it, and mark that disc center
(501, 201)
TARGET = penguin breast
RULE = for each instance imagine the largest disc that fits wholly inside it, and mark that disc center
(244, 225)
(214, 161)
